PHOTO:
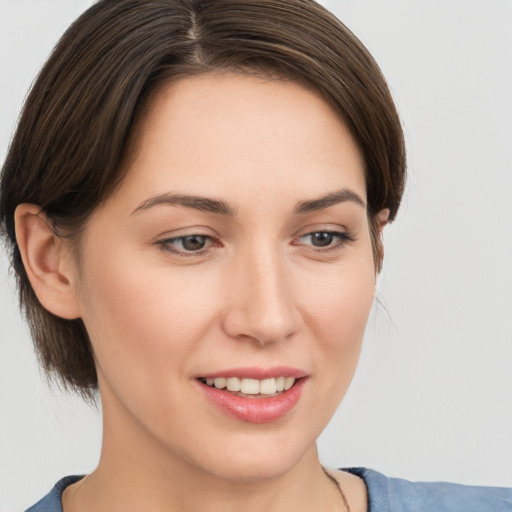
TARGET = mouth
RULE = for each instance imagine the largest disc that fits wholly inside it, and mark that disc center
(251, 388)
(253, 400)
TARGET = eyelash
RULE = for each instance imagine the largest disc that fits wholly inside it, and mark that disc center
(166, 245)
(342, 237)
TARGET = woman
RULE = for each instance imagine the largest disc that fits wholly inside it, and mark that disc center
(194, 200)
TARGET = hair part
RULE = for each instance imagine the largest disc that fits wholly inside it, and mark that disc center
(78, 125)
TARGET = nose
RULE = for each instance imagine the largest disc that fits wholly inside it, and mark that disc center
(261, 304)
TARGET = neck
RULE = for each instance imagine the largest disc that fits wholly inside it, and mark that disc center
(144, 483)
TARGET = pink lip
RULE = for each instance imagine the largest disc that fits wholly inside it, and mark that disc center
(258, 373)
(255, 410)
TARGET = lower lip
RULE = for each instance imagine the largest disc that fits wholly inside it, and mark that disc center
(255, 410)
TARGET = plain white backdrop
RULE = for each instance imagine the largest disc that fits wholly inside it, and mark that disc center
(432, 398)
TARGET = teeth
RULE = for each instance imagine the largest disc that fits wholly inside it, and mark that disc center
(233, 384)
(220, 383)
(252, 386)
(268, 387)
(288, 383)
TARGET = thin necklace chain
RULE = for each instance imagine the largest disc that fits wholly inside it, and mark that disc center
(340, 490)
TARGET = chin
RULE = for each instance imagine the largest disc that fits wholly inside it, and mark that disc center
(255, 470)
(255, 460)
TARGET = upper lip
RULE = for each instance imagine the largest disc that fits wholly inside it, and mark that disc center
(258, 373)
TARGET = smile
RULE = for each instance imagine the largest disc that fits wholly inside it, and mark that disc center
(251, 387)
(254, 400)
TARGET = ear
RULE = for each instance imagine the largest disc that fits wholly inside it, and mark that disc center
(47, 261)
(383, 218)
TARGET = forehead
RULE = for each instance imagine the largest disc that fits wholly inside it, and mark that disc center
(222, 133)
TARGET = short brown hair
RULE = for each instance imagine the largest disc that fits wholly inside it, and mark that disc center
(75, 127)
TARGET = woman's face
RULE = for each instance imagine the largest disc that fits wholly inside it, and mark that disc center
(237, 247)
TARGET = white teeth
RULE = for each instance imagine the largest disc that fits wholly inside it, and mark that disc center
(233, 384)
(288, 383)
(252, 386)
(268, 387)
(220, 382)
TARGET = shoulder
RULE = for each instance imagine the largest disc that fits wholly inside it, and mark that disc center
(52, 502)
(398, 495)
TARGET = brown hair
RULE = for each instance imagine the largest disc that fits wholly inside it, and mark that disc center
(75, 127)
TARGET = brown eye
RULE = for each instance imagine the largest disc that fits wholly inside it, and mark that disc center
(322, 239)
(193, 242)
(326, 240)
(186, 245)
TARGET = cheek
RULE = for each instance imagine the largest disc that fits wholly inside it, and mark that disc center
(339, 304)
(337, 313)
(140, 316)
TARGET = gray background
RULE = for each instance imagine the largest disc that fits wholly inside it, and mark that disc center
(432, 398)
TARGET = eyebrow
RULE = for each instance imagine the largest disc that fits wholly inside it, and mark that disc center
(321, 203)
(203, 204)
(218, 207)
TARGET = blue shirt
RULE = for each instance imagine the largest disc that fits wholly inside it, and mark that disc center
(384, 495)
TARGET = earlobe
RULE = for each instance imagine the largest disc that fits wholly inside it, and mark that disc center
(46, 261)
(383, 218)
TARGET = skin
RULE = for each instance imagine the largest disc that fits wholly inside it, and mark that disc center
(259, 293)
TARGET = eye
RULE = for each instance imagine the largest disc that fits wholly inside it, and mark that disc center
(321, 239)
(326, 239)
(187, 245)
(192, 242)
